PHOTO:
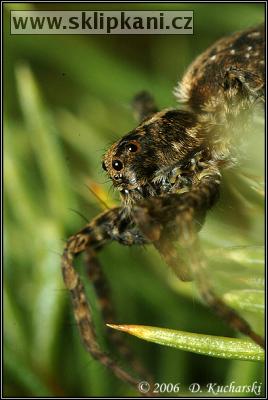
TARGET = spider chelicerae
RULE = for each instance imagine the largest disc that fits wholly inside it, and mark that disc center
(168, 172)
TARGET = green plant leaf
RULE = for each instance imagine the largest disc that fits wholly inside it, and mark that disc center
(214, 346)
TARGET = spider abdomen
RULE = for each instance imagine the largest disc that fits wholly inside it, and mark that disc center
(230, 71)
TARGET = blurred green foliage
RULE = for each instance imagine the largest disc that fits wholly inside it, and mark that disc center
(66, 99)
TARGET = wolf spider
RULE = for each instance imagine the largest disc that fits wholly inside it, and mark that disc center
(168, 173)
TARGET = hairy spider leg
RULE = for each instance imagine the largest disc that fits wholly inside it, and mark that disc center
(108, 226)
(103, 293)
(189, 207)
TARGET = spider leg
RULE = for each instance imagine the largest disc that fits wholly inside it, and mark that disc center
(143, 106)
(110, 225)
(174, 258)
(206, 291)
(172, 217)
(98, 279)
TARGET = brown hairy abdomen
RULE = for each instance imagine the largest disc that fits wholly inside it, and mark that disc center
(204, 84)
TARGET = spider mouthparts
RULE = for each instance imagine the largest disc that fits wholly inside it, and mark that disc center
(138, 190)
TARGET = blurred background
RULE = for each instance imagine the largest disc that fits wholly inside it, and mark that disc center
(67, 98)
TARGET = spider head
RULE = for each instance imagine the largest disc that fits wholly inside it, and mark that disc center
(163, 140)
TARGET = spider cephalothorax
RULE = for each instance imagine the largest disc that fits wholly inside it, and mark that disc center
(168, 173)
(146, 162)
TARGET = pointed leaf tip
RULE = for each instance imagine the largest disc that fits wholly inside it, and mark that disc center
(214, 346)
(131, 329)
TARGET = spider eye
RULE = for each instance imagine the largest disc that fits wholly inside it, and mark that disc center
(104, 166)
(117, 165)
(132, 147)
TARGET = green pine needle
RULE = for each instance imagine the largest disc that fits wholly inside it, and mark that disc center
(214, 346)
